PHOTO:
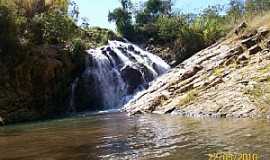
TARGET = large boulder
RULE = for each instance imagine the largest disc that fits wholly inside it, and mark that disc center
(133, 77)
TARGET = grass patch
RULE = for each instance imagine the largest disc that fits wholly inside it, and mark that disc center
(261, 96)
(256, 91)
(265, 69)
(189, 97)
(259, 20)
(218, 71)
(260, 90)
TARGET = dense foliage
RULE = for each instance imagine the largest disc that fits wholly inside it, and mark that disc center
(157, 23)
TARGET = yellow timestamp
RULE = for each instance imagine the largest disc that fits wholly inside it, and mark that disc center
(233, 156)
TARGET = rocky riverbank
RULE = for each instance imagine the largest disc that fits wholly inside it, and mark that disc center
(228, 79)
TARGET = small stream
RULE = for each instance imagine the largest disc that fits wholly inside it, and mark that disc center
(115, 136)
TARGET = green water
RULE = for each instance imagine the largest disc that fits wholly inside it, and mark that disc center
(115, 136)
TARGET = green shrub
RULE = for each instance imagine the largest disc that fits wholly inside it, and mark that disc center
(53, 27)
(212, 31)
(77, 50)
(169, 27)
(187, 43)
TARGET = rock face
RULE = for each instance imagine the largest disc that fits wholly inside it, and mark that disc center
(133, 78)
(35, 84)
(228, 79)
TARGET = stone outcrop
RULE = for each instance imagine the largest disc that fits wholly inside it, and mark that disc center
(133, 77)
(228, 79)
(240, 28)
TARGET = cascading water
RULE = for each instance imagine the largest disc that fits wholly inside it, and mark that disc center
(114, 73)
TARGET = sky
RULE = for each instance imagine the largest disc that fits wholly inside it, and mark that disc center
(96, 11)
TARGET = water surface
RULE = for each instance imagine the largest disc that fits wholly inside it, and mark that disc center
(115, 136)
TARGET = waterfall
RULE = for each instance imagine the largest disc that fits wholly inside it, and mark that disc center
(72, 101)
(114, 73)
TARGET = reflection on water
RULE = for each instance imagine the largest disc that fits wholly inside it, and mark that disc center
(116, 136)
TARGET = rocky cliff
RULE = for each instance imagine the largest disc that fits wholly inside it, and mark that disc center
(36, 85)
(35, 80)
(228, 79)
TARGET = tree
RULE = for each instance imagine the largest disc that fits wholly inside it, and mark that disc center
(236, 10)
(153, 6)
(126, 4)
(257, 6)
(123, 19)
(153, 9)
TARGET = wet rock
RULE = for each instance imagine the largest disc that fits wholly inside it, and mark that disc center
(147, 74)
(137, 52)
(104, 52)
(136, 112)
(90, 60)
(130, 48)
(115, 57)
(133, 77)
(173, 63)
(108, 49)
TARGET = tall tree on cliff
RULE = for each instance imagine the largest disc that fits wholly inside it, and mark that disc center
(122, 16)
(152, 10)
